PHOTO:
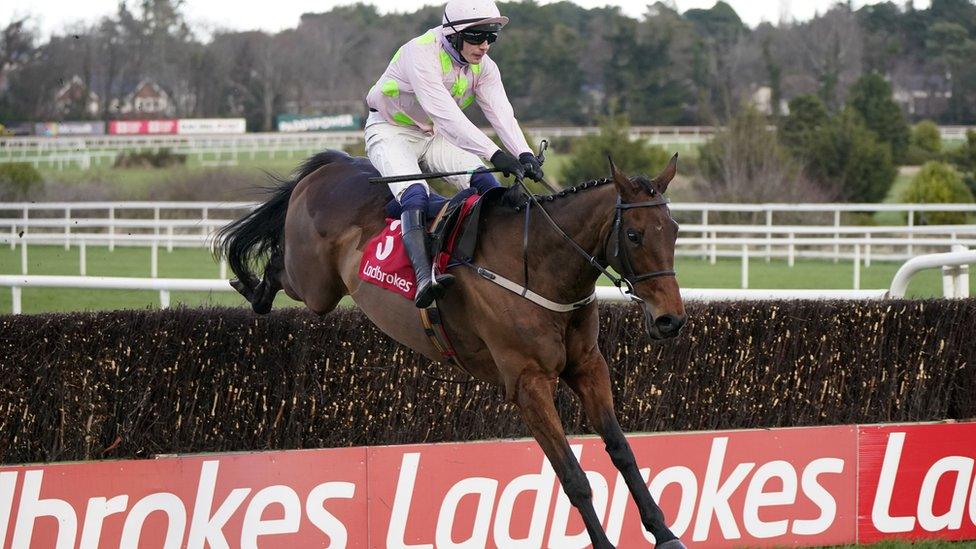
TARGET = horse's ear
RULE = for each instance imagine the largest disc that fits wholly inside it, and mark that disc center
(622, 182)
(664, 178)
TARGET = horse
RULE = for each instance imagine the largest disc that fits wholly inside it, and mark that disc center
(311, 234)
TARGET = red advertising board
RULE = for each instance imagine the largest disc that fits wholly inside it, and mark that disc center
(142, 127)
(732, 489)
(762, 488)
(275, 499)
(916, 481)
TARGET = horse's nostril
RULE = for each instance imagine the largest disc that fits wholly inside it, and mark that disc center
(668, 324)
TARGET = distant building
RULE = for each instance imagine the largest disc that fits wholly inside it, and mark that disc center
(146, 100)
(75, 98)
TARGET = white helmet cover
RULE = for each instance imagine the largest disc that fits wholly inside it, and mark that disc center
(463, 14)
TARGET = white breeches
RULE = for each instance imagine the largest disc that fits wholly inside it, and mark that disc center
(405, 150)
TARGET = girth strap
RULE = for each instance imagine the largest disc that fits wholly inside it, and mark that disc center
(433, 325)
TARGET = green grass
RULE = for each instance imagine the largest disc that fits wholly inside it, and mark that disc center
(196, 263)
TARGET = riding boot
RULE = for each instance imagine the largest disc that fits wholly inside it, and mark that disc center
(415, 240)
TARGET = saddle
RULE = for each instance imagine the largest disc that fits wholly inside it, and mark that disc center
(453, 233)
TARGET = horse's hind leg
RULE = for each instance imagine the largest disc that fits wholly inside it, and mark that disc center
(591, 382)
(535, 400)
(265, 292)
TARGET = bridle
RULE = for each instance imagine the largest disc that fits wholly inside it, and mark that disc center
(630, 277)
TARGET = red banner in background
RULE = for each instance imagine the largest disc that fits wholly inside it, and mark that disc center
(762, 488)
(142, 127)
(917, 482)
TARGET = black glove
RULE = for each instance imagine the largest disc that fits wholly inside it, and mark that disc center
(532, 166)
(508, 164)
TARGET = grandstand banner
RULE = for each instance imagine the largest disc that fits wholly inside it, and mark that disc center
(142, 127)
(917, 482)
(193, 126)
(292, 123)
(55, 129)
(761, 488)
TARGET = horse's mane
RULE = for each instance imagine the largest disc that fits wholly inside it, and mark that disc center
(641, 180)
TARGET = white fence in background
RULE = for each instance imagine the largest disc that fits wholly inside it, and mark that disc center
(954, 266)
(88, 151)
(154, 225)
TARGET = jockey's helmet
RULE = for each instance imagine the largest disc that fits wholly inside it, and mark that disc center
(464, 14)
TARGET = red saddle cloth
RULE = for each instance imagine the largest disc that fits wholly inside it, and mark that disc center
(385, 262)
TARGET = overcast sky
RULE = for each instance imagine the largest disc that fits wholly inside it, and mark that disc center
(207, 15)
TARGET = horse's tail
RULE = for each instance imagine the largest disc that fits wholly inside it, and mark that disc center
(260, 235)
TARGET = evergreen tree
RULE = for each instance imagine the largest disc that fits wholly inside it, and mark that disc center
(847, 155)
(871, 97)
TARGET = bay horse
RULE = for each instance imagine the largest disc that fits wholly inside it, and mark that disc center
(311, 234)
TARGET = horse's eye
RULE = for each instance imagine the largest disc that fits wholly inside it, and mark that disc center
(635, 236)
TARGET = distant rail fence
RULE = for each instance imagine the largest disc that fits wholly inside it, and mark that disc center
(85, 152)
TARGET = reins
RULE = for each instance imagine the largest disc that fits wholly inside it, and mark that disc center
(629, 278)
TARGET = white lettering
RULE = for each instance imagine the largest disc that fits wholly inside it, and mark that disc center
(757, 497)
(542, 485)
(162, 501)
(485, 489)
(8, 483)
(952, 519)
(880, 514)
(686, 480)
(324, 520)
(401, 505)
(32, 507)
(256, 526)
(715, 498)
(98, 509)
(203, 526)
(819, 496)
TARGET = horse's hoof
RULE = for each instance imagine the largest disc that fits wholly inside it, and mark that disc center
(241, 288)
(673, 544)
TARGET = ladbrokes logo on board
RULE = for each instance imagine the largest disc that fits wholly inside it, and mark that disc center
(753, 488)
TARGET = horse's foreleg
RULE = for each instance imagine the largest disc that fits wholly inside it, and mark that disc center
(591, 382)
(535, 401)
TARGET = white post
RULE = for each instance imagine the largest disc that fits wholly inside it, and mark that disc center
(67, 228)
(836, 236)
(745, 266)
(867, 250)
(714, 248)
(169, 240)
(15, 299)
(791, 254)
(156, 219)
(857, 266)
(223, 269)
(205, 230)
(769, 235)
(911, 223)
(23, 256)
(82, 259)
(154, 260)
(705, 235)
(111, 229)
(164, 299)
(961, 275)
(13, 237)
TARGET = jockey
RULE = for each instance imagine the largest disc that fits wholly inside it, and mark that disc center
(416, 123)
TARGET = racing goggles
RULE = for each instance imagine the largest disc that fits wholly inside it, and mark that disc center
(477, 37)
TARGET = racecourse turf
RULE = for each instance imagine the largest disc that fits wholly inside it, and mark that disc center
(693, 272)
